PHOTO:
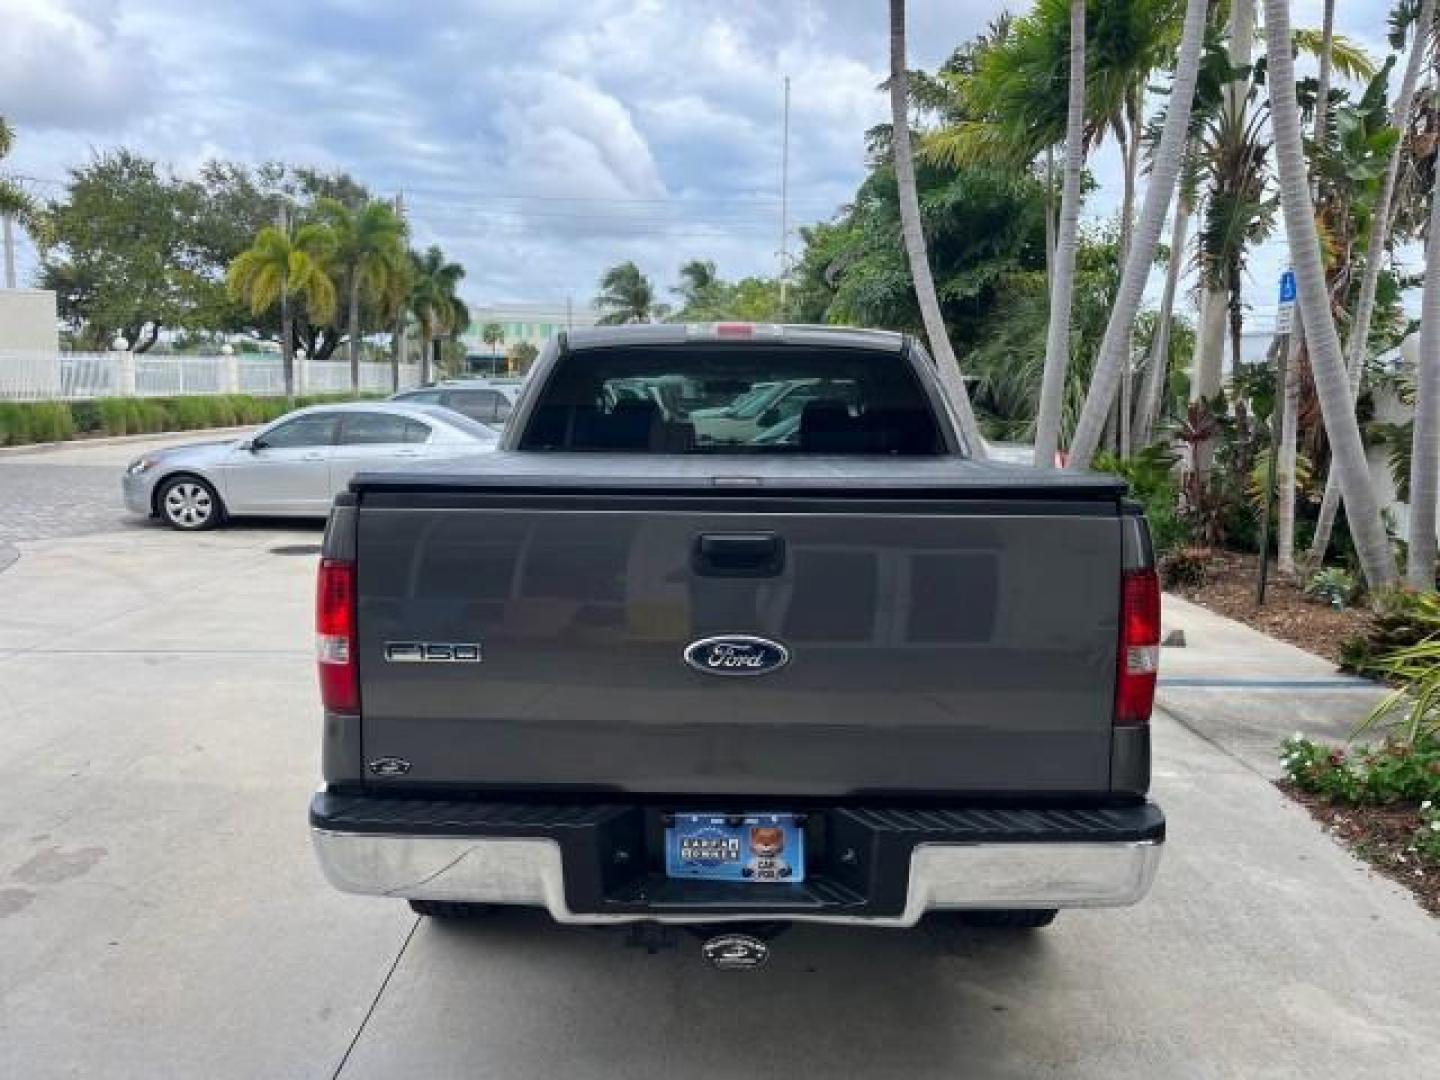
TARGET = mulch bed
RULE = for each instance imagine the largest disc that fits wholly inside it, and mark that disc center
(1380, 835)
(1288, 614)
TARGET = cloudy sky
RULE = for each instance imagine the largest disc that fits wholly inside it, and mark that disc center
(538, 141)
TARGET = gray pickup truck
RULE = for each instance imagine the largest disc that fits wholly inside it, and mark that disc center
(733, 627)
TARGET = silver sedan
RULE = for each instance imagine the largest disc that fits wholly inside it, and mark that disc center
(293, 466)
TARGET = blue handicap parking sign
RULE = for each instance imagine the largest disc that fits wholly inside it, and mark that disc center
(1287, 287)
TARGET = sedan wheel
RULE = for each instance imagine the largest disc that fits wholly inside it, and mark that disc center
(189, 504)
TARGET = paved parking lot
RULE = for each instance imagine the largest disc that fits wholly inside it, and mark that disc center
(160, 914)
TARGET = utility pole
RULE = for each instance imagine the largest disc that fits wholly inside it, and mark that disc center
(569, 312)
(785, 201)
(9, 227)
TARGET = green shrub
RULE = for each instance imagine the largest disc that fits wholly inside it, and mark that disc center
(1427, 836)
(1150, 474)
(86, 415)
(1334, 585)
(1391, 772)
(14, 425)
(1398, 620)
(114, 416)
(48, 421)
(1184, 568)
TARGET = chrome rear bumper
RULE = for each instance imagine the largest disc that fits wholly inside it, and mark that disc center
(941, 876)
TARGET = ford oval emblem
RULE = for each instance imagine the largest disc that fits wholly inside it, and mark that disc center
(736, 654)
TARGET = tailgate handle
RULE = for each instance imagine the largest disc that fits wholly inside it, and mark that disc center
(738, 555)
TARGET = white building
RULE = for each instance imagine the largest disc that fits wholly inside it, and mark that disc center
(531, 323)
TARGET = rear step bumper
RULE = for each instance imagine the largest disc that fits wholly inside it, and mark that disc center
(876, 866)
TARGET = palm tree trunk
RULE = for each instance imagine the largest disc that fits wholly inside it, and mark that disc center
(1289, 434)
(354, 332)
(1062, 281)
(1153, 386)
(1374, 257)
(1425, 451)
(396, 339)
(1168, 160)
(1127, 236)
(1049, 218)
(1326, 360)
(1286, 457)
(948, 367)
(424, 354)
(1209, 346)
(287, 341)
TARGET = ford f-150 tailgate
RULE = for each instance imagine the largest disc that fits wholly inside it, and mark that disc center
(924, 627)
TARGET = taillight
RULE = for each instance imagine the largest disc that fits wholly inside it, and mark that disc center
(1139, 646)
(335, 639)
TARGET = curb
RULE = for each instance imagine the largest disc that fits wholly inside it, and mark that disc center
(117, 440)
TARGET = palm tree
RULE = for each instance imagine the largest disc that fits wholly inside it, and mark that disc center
(1327, 364)
(1062, 285)
(492, 334)
(369, 247)
(1425, 449)
(435, 304)
(1374, 258)
(1215, 297)
(280, 268)
(1289, 404)
(626, 296)
(394, 311)
(1168, 160)
(14, 204)
(946, 363)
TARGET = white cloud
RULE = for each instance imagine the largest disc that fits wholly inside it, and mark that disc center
(645, 129)
(72, 65)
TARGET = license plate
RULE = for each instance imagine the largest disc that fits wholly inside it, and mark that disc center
(735, 847)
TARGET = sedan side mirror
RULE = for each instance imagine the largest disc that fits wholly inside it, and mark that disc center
(252, 445)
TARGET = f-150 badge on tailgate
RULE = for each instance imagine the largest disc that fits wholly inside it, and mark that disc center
(433, 652)
(736, 654)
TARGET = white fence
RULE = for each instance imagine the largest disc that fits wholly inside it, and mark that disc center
(29, 376)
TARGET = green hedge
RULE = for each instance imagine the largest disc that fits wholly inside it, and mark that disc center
(23, 422)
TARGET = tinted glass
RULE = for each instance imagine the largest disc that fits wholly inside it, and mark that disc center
(479, 404)
(428, 397)
(734, 399)
(314, 430)
(458, 421)
(365, 429)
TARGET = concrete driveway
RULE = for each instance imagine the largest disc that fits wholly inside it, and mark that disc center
(160, 915)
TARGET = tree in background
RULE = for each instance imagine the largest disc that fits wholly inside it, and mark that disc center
(520, 356)
(626, 296)
(1422, 31)
(369, 247)
(1062, 283)
(435, 303)
(117, 253)
(1114, 350)
(492, 334)
(15, 204)
(1327, 362)
(921, 278)
(284, 269)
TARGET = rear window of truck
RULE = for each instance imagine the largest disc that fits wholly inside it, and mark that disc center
(755, 399)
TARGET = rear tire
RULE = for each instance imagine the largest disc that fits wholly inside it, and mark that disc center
(1007, 918)
(450, 909)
